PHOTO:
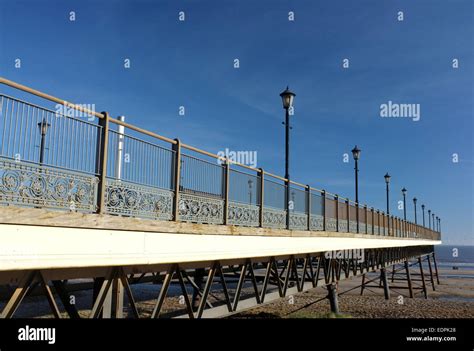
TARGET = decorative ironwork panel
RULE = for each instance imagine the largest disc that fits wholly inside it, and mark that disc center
(274, 218)
(27, 184)
(243, 214)
(331, 224)
(353, 227)
(298, 221)
(201, 209)
(316, 222)
(131, 199)
(343, 226)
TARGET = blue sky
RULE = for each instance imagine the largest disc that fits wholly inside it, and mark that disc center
(191, 64)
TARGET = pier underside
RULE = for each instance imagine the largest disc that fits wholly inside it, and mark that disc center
(220, 270)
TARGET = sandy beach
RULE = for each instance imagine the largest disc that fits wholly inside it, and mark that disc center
(453, 298)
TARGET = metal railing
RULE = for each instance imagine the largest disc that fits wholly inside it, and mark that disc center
(94, 163)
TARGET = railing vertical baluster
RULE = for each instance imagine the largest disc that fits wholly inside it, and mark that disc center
(337, 212)
(226, 190)
(373, 220)
(262, 193)
(357, 217)
(324, 209)
(308, 205)
(366, 220)
(348, 216)
(177, 178)
(102, 147)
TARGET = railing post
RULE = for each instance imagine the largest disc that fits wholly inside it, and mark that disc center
(324, 209)
(262, 189)
(177, 178)
(366, 220)
(357, 217)
(348, 216)
(373, 220)
(308, 205)
(287, 201)
(226, 190)
(102, 147)
(337, 212)
(383, 223)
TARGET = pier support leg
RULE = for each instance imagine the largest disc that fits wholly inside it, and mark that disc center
(422, 277)
(436, 268)
(198, 280)
(431, 272)
(332, 296)
(386, 288)
(407, 270)
(117, 299)
(393, 273)
(61, 290)
(362, 285)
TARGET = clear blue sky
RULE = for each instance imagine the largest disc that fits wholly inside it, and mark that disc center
(190, 63)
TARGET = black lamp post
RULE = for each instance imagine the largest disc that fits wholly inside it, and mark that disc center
(356, 155)
(414, 203)
(437, 224)
(423, 210)
(404, 192)
(43, 127)
(434, 226)
(429, 219)
(387, 182)
(287, 98)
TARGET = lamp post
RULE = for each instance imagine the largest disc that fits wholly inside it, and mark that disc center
(429, 219)
(287, 98)
(387, 181)
(434, 227)
(414, 203)
(404, 224)
(404, 192)
(43, 128)
(437, 224)
(356, 155)
(423, 210)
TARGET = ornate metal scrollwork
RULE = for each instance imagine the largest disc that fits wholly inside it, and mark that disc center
(298, 221)
(316, 222)
(201, 209)
(131, 199)
(33, 185)
(353, 226)
(343, 226)
(331, 224)
(243, 214)
(274, 218)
